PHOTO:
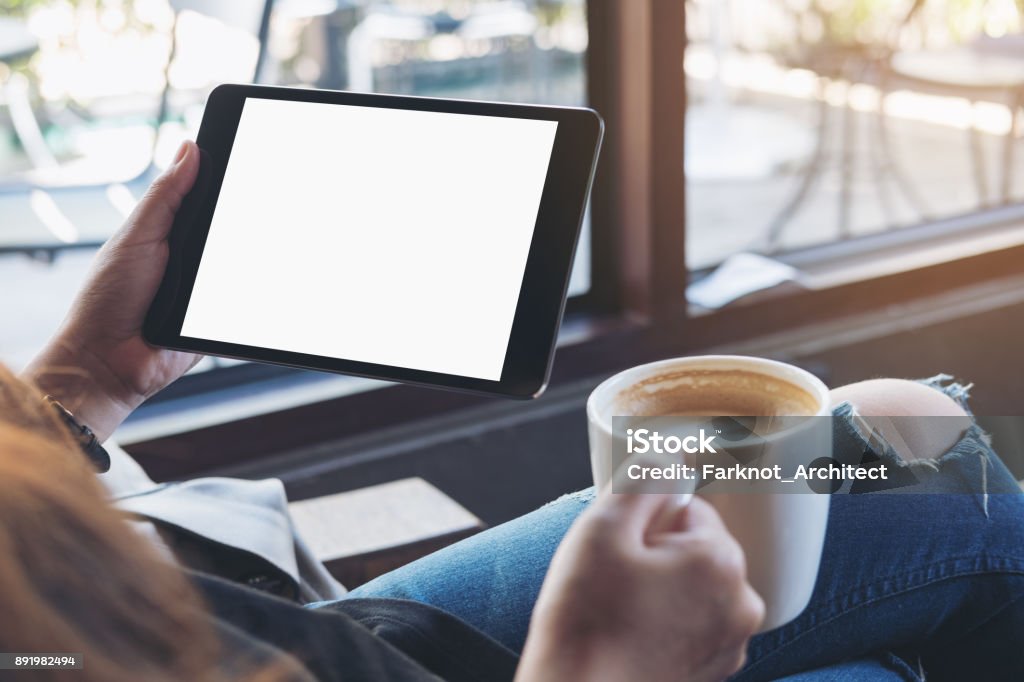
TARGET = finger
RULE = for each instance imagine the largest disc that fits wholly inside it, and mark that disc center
(699, 519)
(152, 218)
(698, 514)
(727, 662)
(745, 620)
(632, 509)
(753, 609)
(671, 518)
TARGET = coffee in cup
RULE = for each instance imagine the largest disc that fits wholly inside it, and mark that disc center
(763, 412)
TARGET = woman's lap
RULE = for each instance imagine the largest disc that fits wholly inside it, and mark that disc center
(937, 549)
(927, 573)
(490, 580)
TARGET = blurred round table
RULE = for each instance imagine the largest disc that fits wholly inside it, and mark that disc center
(991, 68)
(965, 68)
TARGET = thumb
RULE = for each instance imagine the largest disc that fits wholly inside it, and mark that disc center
(153, 216)
(639, 505)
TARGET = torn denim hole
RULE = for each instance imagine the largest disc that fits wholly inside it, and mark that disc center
(961, 393)
(974, 445)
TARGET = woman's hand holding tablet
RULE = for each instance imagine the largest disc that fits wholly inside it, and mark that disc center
(409, 239)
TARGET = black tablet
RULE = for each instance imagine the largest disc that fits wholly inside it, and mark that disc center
(410, 239)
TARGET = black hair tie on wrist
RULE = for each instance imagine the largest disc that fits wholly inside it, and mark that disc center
(83, 435)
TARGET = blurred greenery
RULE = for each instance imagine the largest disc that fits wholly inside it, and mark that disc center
(19, 7)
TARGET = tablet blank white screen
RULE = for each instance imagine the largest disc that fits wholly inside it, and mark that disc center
(378, 235)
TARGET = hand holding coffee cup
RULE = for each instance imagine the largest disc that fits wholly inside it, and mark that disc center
(627, 554)
(781, 413)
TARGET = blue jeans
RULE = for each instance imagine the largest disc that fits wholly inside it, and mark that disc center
(908, 582)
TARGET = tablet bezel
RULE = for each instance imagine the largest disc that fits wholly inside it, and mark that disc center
(530, 349)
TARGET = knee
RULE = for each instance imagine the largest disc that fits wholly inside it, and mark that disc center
(919, 421)
(896, 398)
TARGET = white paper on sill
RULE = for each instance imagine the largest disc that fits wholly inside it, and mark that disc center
(738, 275)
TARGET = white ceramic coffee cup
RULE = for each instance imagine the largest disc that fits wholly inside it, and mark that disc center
(781, 534)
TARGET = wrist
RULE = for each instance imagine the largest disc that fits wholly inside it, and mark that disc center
(547, 656)
(81, 383)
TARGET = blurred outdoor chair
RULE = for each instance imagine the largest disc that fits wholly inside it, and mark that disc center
(843, 60)
(988, 69)
(18, 44)
(54, 207)
(725, 139)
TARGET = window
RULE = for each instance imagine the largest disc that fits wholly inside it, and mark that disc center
(813, 123)
(96, 97)
(714, 114)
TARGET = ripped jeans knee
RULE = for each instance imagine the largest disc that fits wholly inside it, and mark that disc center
(970, 466)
